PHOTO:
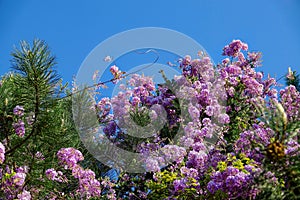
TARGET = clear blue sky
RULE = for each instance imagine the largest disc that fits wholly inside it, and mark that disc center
(72, 28)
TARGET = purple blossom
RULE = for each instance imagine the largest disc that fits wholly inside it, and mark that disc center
(234, 48)
(51, 174)
(186, 61)
(135, 101)
(30, 118)
(254, 58)
(231, 171)
(18, 111)
(88, 186)
(110, 128)
(13, 182)
(290, 99)
(212, 186)
(19, 127)
(230, 182)
(253, 87)
(103, 107)
(224, 118)
(116, 73)
(142, 81)
(199, 146)
(173, 153)
(152, 165)
(189, 172)
(259, 135)
(186, 141)
(22, 169)
(180, 185)
(39, 155)
(251, 169)
(19, 178)
(209, 110)
(69, 157)
(231, 91)
(271, 176)
(241, 57)
(215, 157)
(25, 195)
(242, 179)
(194, 112)
(233, 70)
(292, 148)
(196, 159)
(225, 61)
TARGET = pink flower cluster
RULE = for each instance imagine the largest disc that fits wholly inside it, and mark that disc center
(234, 48)
(88, 185)
(25, 195)
(290, 98)
(54, 175)
(155, 160)
(116, 73)
(13, 183)
(69, 157)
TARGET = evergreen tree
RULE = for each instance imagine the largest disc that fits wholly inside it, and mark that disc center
(35, 85)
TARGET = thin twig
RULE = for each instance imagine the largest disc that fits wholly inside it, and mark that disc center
(121, 77)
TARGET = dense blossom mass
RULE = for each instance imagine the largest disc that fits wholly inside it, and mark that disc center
(213, 132)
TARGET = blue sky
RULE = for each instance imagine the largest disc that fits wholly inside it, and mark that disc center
(73, 28)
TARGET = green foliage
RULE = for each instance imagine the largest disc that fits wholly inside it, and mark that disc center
(241, 118)
(141, 118)
(160, 187)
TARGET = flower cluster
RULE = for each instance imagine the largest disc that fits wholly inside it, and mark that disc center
(234, 176)
(54, 175)
(19, 127)
(88, 185)
(116, 73)
(290, 98)
(234, 48)
(13, 183)
(39, 155)
(69, 157)
(103, 108)
(163, 156)
(18, 111)
(25, 195)
(259, 135)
